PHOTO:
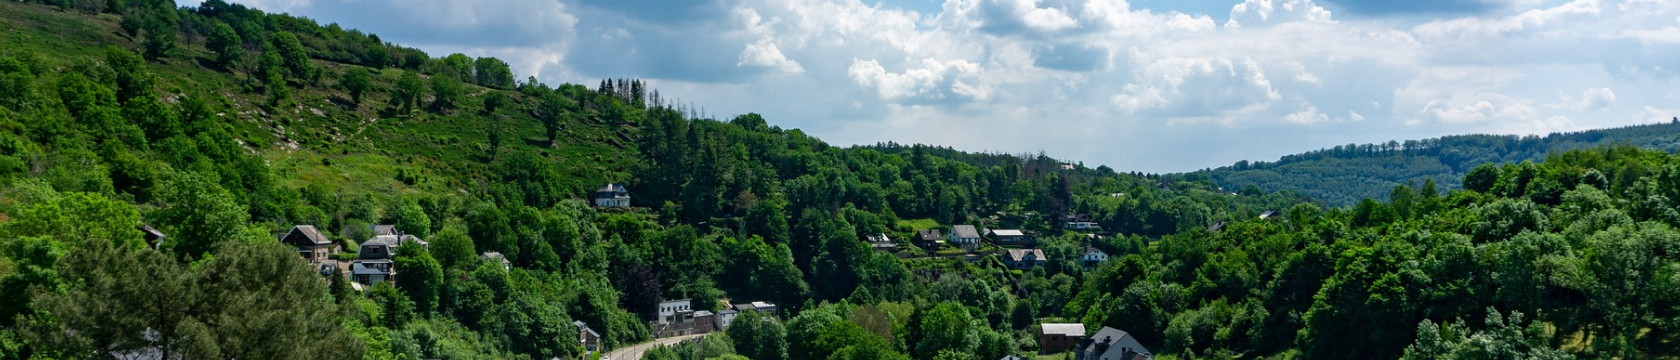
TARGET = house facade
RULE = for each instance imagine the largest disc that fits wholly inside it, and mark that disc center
(1023, 258)
(612, 196)
(373, 260)
(930, 239)
(311, 245)
(587, 337)
(1092, 258)
(1059, 338)
(964, 236)
(1009, 237)
(881, 242)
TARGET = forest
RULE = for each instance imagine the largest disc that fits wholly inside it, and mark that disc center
(223, 128)
(1342, 175)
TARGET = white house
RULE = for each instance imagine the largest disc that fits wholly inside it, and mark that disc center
(673, 311)
(963, 236)
(612, 196)
(1092, 258)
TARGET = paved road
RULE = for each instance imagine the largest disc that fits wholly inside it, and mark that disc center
(634, 352)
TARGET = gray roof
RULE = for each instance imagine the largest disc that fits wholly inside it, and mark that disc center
(585, 327)
(1018, 255)
(1006, 232)
(383, 229)
(308, 232)
(1064, 329)
(964, 231)
(930, 235)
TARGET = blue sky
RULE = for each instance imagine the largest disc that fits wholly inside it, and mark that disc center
(1147, 85)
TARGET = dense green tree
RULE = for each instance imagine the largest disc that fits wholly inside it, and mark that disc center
(410, 89)
(293, 57)
(358, 81)
(198, 214)
(946, 328)
(410, 219)
(493, 73)
(758, 337)
(446, 92)
(225, 43)
(453, 249)
(248, 301)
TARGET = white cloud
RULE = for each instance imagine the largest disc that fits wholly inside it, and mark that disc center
(1102, 81)
(764, 53)
(1257, 13)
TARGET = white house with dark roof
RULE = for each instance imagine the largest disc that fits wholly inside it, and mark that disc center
(964, 236)
(612, 196)
(1092, 258)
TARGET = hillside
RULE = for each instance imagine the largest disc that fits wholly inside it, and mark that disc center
(1343, 175)
(199, 183)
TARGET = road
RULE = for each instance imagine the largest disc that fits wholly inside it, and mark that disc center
(634, 352)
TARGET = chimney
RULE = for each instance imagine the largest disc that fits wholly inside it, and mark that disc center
(1102, 347)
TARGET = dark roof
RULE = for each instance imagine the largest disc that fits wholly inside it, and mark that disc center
(965, 231)
(305, 235)
(611, 188)
(585, 328)
(929, 235)
(152, 234)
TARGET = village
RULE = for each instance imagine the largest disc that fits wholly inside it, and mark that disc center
(677, 318)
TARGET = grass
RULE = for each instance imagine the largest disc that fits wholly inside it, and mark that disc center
(918, 224)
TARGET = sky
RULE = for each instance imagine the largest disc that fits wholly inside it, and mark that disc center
(1152, 85)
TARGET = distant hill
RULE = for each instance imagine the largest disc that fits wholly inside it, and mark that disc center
(1345, 174)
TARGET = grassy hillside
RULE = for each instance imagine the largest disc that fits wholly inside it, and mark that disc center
(1346, 174)
(318, 134)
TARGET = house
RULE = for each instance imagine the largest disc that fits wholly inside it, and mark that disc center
(705, 322)
(372, 271)
(590, 339)
(379, 230)
(154, 238)
(1008, 237)
(1012, 357)
(724, 318)
(759, 306)
(1268, 214)
(373, 260)
(881, 242)
(1059, 338)
(1081, 226)
(1023, 258)
(964, 236)
(612, 196)
(674, 311)
(1216, 227)
(498, 257)
(1092, 258)
(930, 239)
(310, 243)
(1111, 344)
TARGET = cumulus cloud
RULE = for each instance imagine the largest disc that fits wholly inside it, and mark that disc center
(764, 53)
(1100, 81)
(1255, 13)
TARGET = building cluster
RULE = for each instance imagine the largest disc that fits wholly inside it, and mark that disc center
(1019, 247)
(1107, 344)
(679, 317)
